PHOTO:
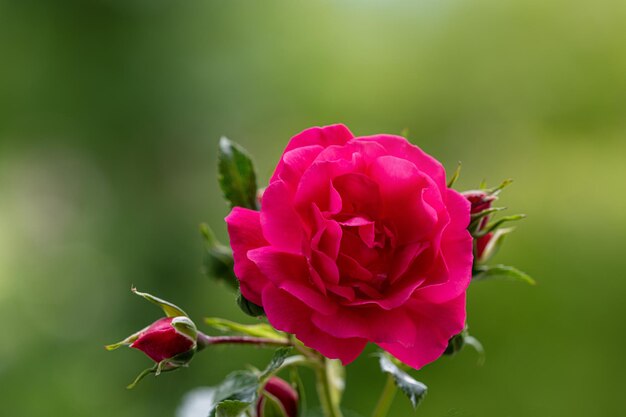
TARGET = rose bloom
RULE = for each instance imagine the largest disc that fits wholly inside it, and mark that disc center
(358, 240)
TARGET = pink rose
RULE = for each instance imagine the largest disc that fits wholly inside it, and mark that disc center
(358, 240)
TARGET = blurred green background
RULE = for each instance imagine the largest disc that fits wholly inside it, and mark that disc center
(110, 112)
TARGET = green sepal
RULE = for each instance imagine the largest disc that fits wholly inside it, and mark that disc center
(272, 407)
(455, 175)
(494, 245)
(486, 272)
(296, 381)
(336, 374)
(236, 175)
(459, 341)
(218, 260)
(455, 344)
(170, 310)
(248, 307)
(494, 225)
(141, 376)
(413, 389)
(126, 342)
(257, 330)
(184, 325)
(476, 218)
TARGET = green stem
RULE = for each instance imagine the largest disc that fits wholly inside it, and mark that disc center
(324, 391)
(386, 398)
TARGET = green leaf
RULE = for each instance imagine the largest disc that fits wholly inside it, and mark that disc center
(276, 362)
(257, 330)
(231, 408)
(413, 389)
(218, 259)
(235, 394)
(236, 175)
(170, 310)
(501, 272)
(248, 307)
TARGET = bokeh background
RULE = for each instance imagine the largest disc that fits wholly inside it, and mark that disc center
(110, 113)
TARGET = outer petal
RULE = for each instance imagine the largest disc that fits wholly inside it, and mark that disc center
(435, 324)
(371, 323)
(281, 224)
(456, 251)
(290, 272)
(402, 148)
(244, 228)
(321, 136)
(288, 314)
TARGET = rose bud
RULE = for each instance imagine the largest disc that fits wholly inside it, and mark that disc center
(170, 341)
(283, 395)
(480, 201)
(162, 340)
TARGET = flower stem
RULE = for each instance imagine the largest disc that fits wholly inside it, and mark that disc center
(324, 391)
(205, 340)
(386, 398)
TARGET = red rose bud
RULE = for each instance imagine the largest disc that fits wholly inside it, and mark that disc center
(170, 341)
(282, 395)
(162, 340)
(480, 201)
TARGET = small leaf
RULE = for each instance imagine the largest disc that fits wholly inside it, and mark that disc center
(231, 408)
(235, 394)
(236, 175)
(248, 307)
(218, 259)
(170, 310)
(501, 272)
(275, 363)
(413, 389)
(257, 330)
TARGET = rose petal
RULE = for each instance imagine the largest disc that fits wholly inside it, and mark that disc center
(371, 323)
(402, 188)
(244, 229)
(401, 148)
(290, 272)
(288, 314)
(282, 227)
(434, 325)
(456, 252)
